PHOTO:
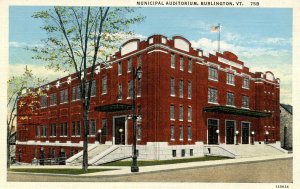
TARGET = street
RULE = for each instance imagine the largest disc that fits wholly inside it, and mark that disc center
(271, 171)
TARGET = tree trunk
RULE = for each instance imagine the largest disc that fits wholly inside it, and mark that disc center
(8, 153)
(85, 139)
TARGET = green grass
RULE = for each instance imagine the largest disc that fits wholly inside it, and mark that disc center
(58, 171)
(163, 162)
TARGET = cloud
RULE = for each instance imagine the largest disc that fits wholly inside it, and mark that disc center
(38, 70)
(17, 44)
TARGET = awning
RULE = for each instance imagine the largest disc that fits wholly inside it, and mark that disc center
(117, 107)
(236, 111)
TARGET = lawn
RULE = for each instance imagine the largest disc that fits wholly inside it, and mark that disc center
(163, 162)
(58, 171)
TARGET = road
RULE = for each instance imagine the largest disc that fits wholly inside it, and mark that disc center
(271, 171)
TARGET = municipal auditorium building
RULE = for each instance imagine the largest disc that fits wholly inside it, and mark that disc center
(188, 105)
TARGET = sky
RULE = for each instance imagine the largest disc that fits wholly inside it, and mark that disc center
(261, 38)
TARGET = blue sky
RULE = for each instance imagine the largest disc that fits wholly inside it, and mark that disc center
(260, 37)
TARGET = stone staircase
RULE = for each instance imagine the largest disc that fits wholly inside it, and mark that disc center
(101, 153)
(92, 152)
(244, 151)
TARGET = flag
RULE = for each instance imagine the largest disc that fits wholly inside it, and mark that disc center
(215, 28)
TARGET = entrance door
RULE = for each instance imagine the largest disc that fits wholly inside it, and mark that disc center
(245, 133)
(119, 130)
(229, 132)
(212, 131)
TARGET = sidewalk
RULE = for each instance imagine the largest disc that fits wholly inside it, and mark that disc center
(122, 170)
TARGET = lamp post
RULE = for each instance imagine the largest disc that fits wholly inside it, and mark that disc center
(99, 132)
(217, 131)
(267, 139)
(121, 133)
(42, 156)
(236, 137)
(252, 136)
(136, 74)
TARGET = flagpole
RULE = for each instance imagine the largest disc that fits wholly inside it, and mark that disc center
(219, 37)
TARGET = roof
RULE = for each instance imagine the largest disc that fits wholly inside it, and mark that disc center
(236, 111)
(287, 107)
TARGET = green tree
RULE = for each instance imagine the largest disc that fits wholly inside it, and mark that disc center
(20, 87)
(79, 38)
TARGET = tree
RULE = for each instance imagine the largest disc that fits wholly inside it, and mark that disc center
(79, 38)
(19, 88)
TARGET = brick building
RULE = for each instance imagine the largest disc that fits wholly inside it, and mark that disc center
(185, 100)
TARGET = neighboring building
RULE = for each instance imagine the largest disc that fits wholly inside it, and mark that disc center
(185, 100)
(286, 126)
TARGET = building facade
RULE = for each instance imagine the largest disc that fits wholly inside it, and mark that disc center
(185, 100)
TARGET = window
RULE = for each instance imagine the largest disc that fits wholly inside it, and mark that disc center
(213, 73)
(245, 102)
(172, 132)
(139, 92)
(189, 90)
(92, 127)
(181, 63)
(139, 132)
(230, 78)
(76, 95)
(120, 92)
(189, 133)
(93, 89)
(53, 99)
(139, 60)
(173, 153)
(212, 122)
(44, 131)
(246, 83)
(129, 65)
(64, 98)
(191, 152)
(130, 89)
(182, 152)
(44, 102)
(230, 99)
(181, 133)
(212, 95)
(120, 68)
(172, 114)
(104, 85)
(190, 114)
(190, 66)
(181, 89)
(180, 113)
(172, 84)
(172, 60)
(64, 129)
(103, 129)
(37, 131)
(76, 128)
(53, 129)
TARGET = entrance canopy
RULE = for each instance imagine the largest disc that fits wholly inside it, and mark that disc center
(236, 111)
(117, 107)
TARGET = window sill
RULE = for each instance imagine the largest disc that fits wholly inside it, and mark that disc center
(172, 139)
(172, 67)
(245, 108)
(129, 98)
(75, 136)
(64, 103)
(138, 96)
(216, 103)
(190, 71)
(189, 98)
(230, 84)
(231, 105)
(76, 100)
(52, 105)
(210, 79)
(103, 93)
(52, 136)
(173, 95)
(246, 88)
(172, 119)
(189, 139)
(63, 136)
(180, 119)
(181, 139)
(189, 121)
(91, 135)
(119, 99)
